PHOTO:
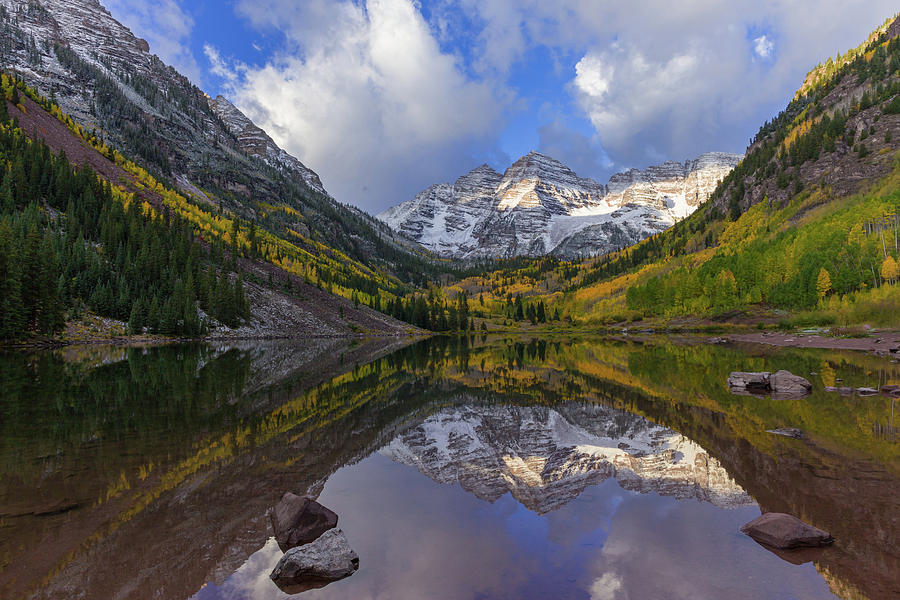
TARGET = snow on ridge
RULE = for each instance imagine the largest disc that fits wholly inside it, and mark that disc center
(540, 206)
(547, 457)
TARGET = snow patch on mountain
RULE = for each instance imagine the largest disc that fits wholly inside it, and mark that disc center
(546, 457)
(539, 206)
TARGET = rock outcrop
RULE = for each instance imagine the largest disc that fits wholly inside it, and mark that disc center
(781, 384)
(539, 206)
(297, 520)
(254, 141)
(547, 457)
(783, 531)
(317, 564)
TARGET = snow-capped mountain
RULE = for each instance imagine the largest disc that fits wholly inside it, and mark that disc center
(539, 206)
(546, 457)
(40, 31)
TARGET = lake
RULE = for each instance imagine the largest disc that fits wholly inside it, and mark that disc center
(479, 467)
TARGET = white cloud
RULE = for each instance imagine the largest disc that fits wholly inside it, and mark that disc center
(166, 27)
(663, 80)
(763, 46)
(364, 96)
(219, 66)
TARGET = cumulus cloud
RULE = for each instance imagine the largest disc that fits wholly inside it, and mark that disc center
(763, 46)
(166, 26)
(364, 95)
(669, 81)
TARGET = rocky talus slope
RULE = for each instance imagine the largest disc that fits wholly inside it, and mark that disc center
(539, 206)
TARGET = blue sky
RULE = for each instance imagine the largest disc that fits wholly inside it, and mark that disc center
(385, 97)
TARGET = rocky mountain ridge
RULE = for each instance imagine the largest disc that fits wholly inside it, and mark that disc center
(256, 142)
(76, 53)
(547, 457)
(540, 206)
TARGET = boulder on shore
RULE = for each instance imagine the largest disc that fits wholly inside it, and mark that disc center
(781, 384)
(781, 530)
(298, 520)
(317, 564)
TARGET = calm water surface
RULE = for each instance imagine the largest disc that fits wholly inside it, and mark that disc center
(459, 468)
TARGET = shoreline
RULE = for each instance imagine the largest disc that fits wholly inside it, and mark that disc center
(883, 343)
(138, 341)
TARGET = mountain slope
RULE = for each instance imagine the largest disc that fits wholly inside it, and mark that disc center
(75, 53)
(539, 206)
(81, 228)
(810, 218)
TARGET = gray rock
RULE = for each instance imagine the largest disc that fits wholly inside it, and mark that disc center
(297, 521)
(757, 381)
(785, 382)
(866, 391)
(317, 564)
(791, 432)
(782, 384)
(781, 530)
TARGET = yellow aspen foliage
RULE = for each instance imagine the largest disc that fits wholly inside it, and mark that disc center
(823, 283)
(889, 269)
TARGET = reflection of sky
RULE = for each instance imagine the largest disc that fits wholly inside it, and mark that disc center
(417, 539)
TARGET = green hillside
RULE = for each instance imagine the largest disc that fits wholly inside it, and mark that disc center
(808, 221)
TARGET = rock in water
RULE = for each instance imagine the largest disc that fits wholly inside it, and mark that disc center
(780, 530)
(750, 381)
(781, 384)
(297, 521)
(791, 432)
(315, 565)
(785, 382)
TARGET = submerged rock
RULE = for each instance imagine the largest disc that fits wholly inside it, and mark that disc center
(791, 432)
(781, 530)
(317, 564)
(298, 520)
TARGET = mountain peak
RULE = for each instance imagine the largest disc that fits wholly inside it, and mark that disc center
(540, 206)
(535, 165)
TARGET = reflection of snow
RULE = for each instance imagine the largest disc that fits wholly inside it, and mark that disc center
(251, 580)
(605, 587)
(546, 457)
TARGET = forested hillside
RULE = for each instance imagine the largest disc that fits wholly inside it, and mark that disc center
(117, 243)
(76, 54)
(809, 220)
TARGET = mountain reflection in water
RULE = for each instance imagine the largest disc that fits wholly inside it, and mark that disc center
(553, 468)
(546, 457)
